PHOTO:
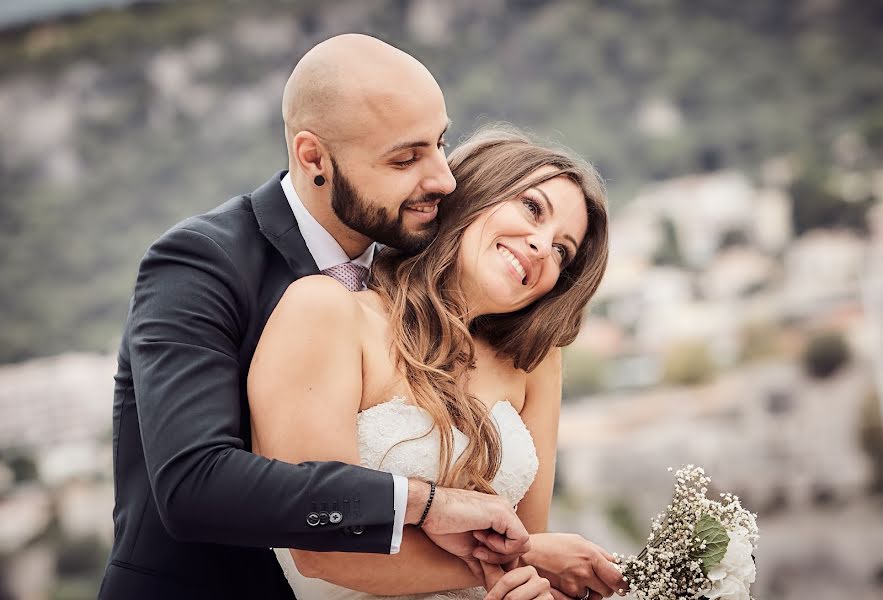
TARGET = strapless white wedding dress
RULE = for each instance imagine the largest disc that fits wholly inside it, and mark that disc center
(383, 430)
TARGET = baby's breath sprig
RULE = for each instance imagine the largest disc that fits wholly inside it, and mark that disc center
(688, 551)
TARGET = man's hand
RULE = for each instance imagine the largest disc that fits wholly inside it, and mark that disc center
(461, 545)
(572, 564)
(464, 512)
(483, 550)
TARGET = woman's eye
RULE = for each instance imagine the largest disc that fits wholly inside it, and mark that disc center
(562, 251)
(533, 206)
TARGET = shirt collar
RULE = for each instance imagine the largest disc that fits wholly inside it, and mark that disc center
(325, 250)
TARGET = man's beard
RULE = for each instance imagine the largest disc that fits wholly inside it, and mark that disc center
(375, 222)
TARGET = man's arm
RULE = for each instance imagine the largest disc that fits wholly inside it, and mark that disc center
(187, 320)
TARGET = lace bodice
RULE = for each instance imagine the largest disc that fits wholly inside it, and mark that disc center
(386, 443)
(383, 426)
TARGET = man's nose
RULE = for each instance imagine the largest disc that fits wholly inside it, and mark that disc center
(440, 180)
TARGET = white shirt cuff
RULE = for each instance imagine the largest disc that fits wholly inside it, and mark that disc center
(400, 491)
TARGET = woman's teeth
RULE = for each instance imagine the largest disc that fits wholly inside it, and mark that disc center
(514, 261)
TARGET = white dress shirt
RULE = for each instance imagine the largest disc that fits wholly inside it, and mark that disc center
(327, 253)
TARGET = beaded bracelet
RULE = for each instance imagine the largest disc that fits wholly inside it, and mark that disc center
(428, 504)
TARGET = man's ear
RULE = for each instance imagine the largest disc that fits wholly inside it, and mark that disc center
(311, 155)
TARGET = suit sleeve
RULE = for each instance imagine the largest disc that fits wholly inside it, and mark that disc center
(187, 318)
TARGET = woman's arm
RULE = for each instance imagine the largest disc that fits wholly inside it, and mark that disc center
(304, 390)
(541, 412)
(570, 562)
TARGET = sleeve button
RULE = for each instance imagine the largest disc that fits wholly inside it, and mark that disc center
(312, 519)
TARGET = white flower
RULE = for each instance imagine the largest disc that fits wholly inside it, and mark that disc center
(730, 579)
(728, 588)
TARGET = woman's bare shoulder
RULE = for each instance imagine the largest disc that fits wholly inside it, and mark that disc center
(316, 303)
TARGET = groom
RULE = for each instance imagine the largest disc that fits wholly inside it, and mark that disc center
(196, 512)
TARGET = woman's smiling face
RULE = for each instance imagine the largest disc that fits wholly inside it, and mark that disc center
(514, 252)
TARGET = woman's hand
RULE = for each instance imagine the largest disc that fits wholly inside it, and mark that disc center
(521, 583)
(572, 564)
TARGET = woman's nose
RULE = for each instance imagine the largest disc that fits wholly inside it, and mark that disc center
(540, 247)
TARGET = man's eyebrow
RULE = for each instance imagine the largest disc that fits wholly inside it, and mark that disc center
(417, 144)
(551, 206)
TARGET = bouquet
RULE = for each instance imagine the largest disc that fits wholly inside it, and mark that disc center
(698, 548)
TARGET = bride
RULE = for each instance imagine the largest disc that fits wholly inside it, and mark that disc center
(447, 369)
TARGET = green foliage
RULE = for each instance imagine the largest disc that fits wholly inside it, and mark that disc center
(621, 516)
(710, 531)
(22, 464)
(583, 373)
(870, 437)
(76, 588)
(759, 341)
(80, 556)
(733, 238)
(816, 206)
(825, 354)
(688, 363)
(669, 251)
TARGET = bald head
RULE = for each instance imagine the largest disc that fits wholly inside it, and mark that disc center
(370, 121)
(348, 86)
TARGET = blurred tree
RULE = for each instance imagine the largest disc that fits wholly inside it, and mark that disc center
(816, 206)
(21, 463)
(621, 515)
(732, 238)
(871, 438)
(583, 373)
(80, 556)
(669, 251)
(825, 353)
(751, 81)
(688, 363)
(759, 341)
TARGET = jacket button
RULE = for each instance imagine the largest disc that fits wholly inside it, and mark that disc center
(312, 519)
(358, 529)
(323, 518)
(335, 517)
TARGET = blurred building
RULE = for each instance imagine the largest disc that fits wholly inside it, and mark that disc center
(55, 401)
(823, 268)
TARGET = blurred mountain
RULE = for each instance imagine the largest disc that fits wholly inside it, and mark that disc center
(17, 13)
(116, 123)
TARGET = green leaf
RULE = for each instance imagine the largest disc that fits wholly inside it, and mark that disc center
(710, 531)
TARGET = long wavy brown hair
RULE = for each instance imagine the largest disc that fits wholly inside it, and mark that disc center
(432, 332)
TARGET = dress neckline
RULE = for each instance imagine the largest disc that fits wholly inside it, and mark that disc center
(403, 401)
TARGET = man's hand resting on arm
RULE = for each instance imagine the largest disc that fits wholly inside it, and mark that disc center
(456, 515)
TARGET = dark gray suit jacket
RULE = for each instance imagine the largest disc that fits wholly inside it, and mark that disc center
(195, 511)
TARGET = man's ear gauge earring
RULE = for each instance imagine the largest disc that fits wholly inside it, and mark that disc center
(319, 180)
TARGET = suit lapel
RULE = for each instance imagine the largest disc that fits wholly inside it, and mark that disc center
(279, 226)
